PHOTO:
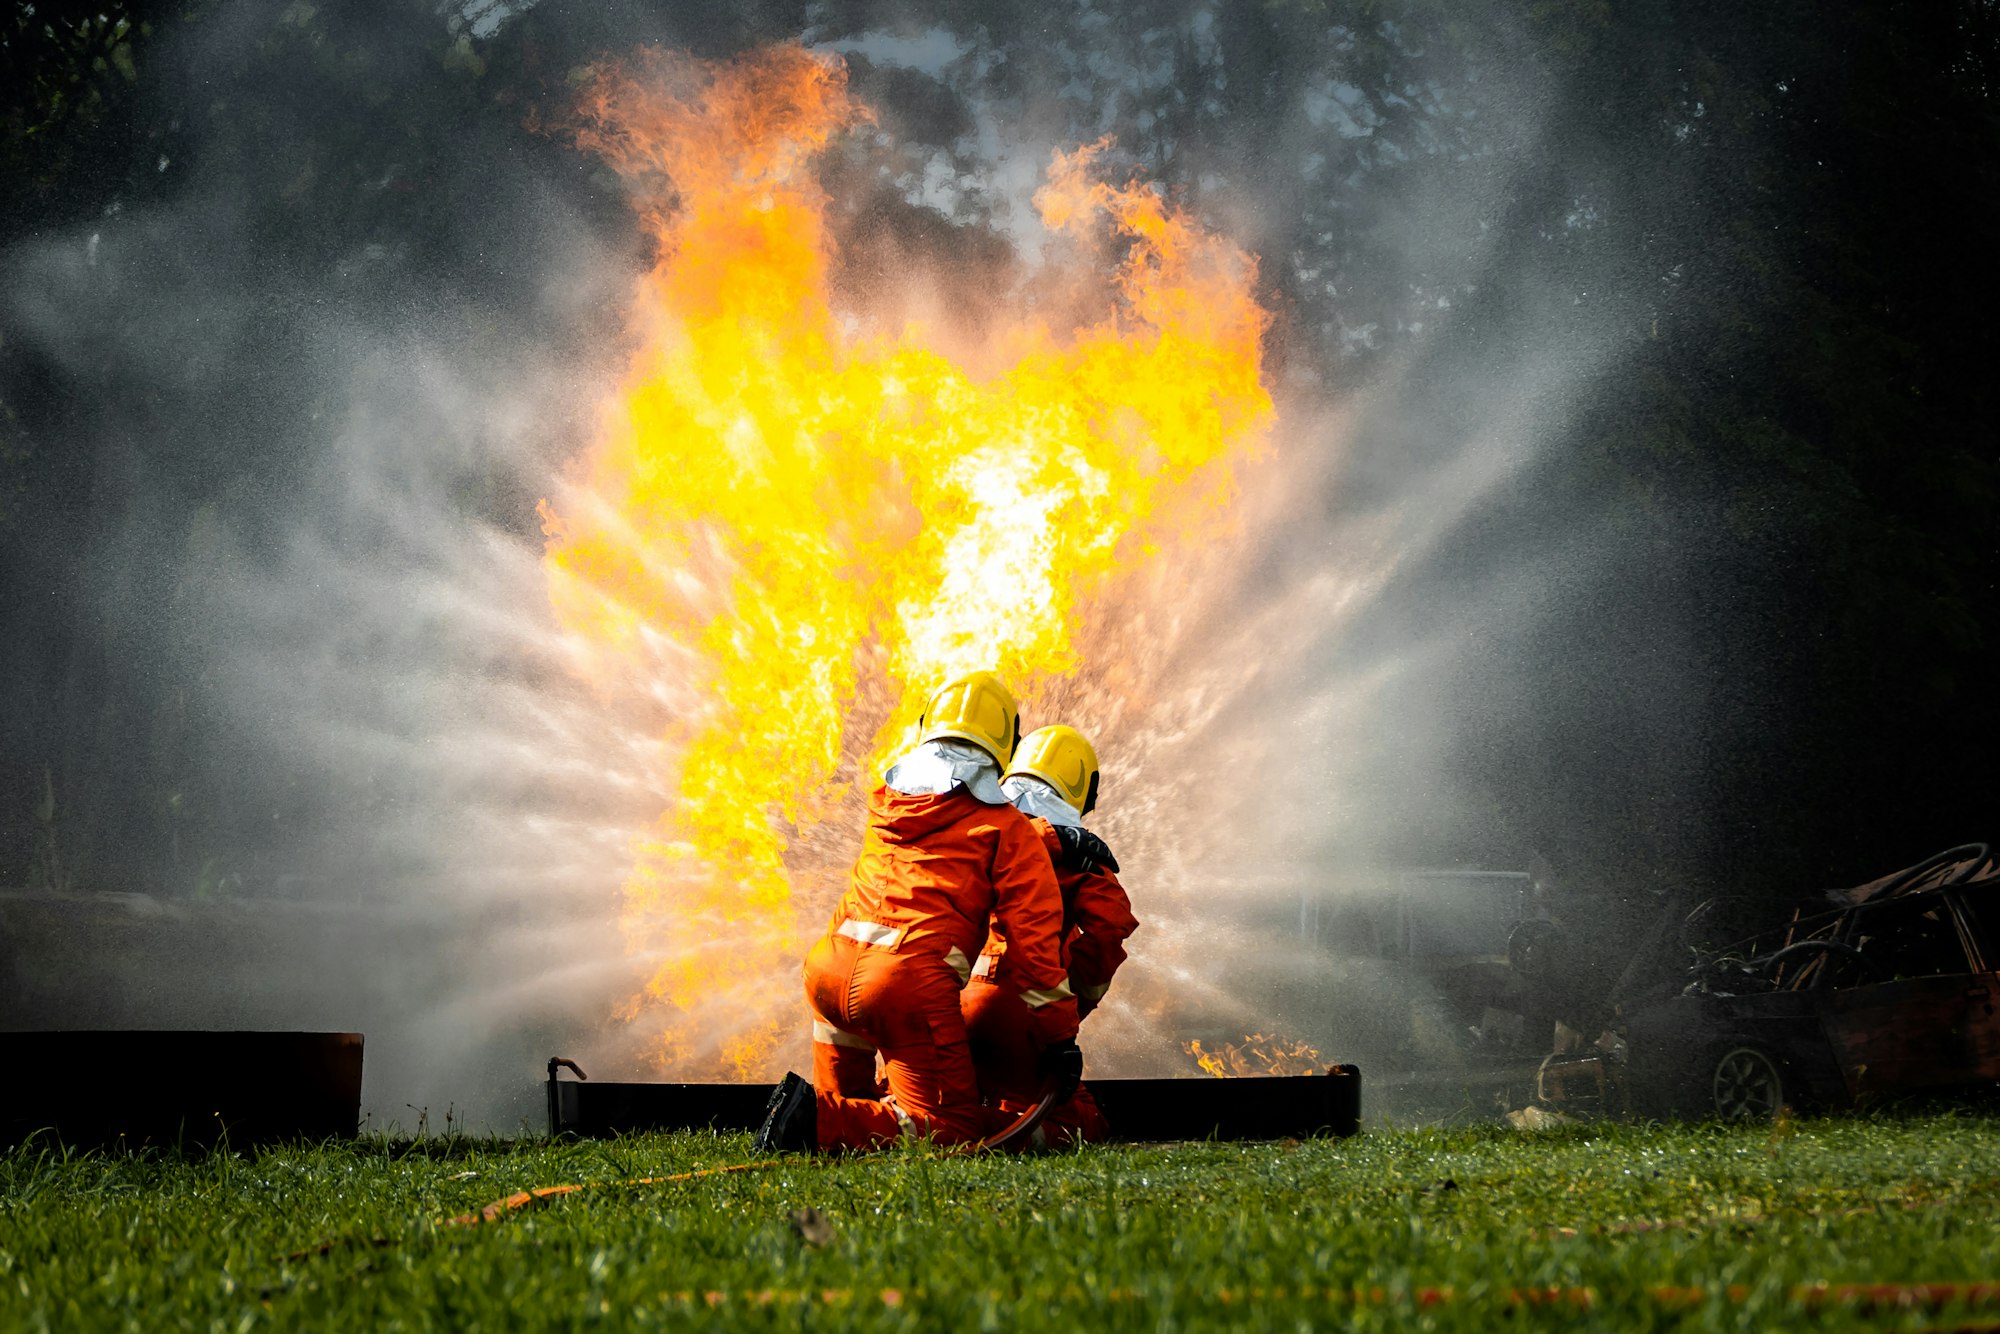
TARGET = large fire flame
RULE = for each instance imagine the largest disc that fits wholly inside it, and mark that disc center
(799, 517)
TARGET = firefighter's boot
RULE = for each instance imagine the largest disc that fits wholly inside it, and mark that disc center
(790, 1119)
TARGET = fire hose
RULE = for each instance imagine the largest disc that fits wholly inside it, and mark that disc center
(1012, 1135)
(1022, 1126)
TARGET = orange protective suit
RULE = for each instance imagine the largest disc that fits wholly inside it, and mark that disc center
(933, 871)
(1006, 1048)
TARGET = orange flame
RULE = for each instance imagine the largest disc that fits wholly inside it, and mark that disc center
(1257, 1054)
(796, 519)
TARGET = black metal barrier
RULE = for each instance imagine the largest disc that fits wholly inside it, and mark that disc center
(1250, 1108)
(192, 1089)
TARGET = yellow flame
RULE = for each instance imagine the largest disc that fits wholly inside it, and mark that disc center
(1257, 1054)
(815, 515)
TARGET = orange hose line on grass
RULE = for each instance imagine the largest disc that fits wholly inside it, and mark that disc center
(521, 1199)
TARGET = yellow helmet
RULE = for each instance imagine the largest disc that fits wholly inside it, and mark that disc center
(976, 707)
(1063, 758)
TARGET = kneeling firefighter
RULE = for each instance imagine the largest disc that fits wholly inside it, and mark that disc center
(943, 854)
(1053, 778)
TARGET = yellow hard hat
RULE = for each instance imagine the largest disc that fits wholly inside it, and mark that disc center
(976, 707)
(1063, 758)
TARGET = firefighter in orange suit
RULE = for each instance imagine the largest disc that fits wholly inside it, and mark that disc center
(1053, 779)
(944, 854)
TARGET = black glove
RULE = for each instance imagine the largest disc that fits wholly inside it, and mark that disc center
(1083, 850)
(1062, 1065)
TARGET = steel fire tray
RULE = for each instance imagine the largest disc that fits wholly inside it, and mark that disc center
(192, 1089)
(1254, 1107)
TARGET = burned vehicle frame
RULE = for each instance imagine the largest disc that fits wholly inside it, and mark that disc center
(1859, 996)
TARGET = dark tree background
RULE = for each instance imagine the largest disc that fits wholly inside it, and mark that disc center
(1774, 222)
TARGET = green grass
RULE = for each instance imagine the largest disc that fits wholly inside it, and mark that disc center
(1184, 1236)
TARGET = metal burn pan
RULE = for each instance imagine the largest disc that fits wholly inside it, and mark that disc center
(187, 1089)
(1257, 1107)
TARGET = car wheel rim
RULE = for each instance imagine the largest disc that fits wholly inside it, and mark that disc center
(1747, 1086)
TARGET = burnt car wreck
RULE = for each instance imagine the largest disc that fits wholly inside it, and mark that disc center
(1851, 998)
